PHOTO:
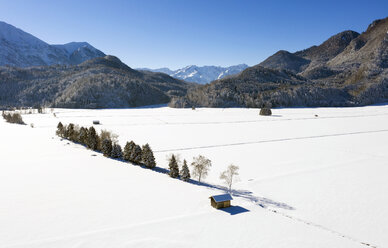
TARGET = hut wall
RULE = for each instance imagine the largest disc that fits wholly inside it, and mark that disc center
(218, 205)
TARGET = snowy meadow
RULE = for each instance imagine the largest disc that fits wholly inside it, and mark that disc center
(309, 177)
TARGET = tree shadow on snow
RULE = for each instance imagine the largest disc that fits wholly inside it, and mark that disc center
(246, 194)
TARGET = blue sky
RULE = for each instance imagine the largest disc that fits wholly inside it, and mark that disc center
(172, 33)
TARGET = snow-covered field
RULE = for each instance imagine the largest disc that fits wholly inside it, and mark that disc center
(305, 181)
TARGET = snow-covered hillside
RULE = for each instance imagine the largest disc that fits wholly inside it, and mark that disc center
(305, 181)
(201, 74)
(21, 49)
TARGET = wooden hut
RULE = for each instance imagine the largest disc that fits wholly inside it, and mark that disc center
(220, 201)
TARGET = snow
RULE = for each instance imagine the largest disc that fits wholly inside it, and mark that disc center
(18, 36)
(21, 49)
(221, 198)
(74, 46)
(305, 181)
(201, 74)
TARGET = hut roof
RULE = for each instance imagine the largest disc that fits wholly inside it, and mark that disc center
(222, 198)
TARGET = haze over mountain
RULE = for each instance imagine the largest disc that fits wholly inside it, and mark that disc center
(348, 69)
(201, 74)
(21, 49)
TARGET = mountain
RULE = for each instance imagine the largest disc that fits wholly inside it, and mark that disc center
(201, 74)
(286, 60)
(348, 69)
(310, 57)
(103, 82)
(79, 52)
(21, 49)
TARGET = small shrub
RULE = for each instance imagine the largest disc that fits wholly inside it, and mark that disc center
(265, 111)
(13, 118)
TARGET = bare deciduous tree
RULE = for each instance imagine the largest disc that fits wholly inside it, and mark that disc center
(230, 175)
(201, 166)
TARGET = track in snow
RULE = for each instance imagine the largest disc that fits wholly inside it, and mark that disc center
(322, 228)
(271, 140)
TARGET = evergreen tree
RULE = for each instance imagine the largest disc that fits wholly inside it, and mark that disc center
(129, 147)
(59, 129)
(185, 172)
(148, 156)
(92, 139)
(173, 165)
(83, 135)
(106, 147)
(69, 131)
(136, 155)
(116, 151)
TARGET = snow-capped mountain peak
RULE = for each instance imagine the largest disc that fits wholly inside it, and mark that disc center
(201, 74)
(21, 49)
(73, 46)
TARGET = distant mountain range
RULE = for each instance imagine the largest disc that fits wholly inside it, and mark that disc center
(74, 75)
(21, 49)
(348, 69)
(201, 74)
(103, 82)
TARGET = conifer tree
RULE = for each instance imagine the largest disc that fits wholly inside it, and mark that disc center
(148, 156)
(129, 147)
(127, 151)
(70, 131)
(83, 135)
(92, 139)
(185, 172)
(173, 165)
(136, 156)
(59, 129)
(106, 147)
(116, 151)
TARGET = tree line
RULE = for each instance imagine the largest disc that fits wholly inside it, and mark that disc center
(107, 143)
(200, 169)
(13, 118)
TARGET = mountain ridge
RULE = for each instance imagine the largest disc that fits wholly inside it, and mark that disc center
(201, 74)
(103, 82)
(21, 49)
(348, 69)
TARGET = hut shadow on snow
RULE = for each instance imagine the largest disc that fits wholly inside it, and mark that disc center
(233, 210)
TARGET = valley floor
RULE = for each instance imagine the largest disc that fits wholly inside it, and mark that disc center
(305, 181)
